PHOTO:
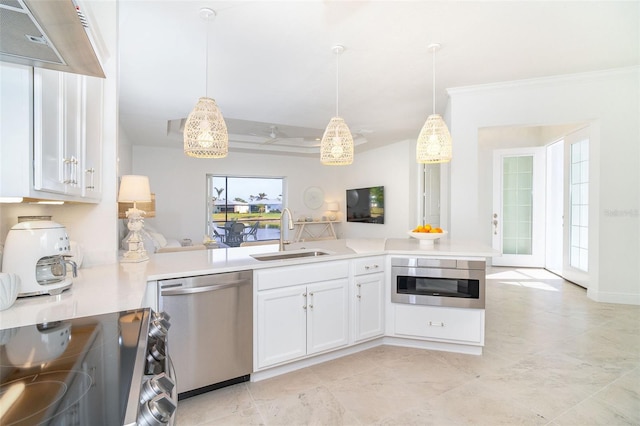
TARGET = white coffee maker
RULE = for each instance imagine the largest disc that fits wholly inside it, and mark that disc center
(38, 252)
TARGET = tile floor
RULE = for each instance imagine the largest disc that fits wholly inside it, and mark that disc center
(552, 357)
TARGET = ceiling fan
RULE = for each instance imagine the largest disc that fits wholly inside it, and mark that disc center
(274, 135)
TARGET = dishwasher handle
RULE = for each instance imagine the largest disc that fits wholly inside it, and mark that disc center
(202, 289)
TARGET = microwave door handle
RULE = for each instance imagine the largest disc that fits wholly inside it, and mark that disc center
(203, 289)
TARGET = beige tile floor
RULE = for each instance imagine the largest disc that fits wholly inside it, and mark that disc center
(552, 357)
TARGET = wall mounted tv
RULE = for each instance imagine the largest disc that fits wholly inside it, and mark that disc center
(365, 205)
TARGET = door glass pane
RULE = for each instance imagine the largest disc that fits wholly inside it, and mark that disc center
(517, 178)
(579, 202)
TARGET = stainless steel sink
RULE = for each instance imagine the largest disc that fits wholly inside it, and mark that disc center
(289, 255)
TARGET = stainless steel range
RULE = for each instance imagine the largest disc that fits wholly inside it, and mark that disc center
(110, 369)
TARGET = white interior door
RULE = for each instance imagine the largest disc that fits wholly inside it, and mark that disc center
(554, 248)
(518, 224)
(575, 266)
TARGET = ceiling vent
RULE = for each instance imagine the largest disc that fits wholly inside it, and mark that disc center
(50, 34)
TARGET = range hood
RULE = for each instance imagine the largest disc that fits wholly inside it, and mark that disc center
(50, 34)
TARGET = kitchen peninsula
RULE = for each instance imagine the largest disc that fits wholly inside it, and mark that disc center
(124, 286)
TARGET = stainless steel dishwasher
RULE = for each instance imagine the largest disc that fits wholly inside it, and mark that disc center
(211, 339)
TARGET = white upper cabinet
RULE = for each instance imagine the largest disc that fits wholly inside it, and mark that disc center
(60, 158)
(92, 143)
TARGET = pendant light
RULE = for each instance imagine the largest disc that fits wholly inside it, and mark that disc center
(434, 141)
(205, 132)
(336, 147)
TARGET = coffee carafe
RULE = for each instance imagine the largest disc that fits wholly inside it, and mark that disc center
(39, 251)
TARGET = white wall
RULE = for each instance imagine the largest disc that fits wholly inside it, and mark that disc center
(609, 102)
(179, 183)
(394, 167)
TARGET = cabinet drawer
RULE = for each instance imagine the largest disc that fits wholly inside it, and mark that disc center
(454, 324)
(368, 265)
(302, 274)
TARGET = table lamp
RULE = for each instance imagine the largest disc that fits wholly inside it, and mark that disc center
(134, 189)
(333, 207)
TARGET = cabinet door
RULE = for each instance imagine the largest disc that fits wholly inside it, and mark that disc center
(72, 134)
(48, 89)
(328, 315)
(92, 138)
(369, 306)
(282, 329)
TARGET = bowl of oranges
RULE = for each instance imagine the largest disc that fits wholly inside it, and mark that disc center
(426, 234)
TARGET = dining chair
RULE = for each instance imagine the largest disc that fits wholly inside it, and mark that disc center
(216, 234)
(235, 235)
(252, 232)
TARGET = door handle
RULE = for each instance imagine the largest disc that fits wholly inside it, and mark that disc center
(203, 289)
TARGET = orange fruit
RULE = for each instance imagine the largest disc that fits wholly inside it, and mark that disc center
(427, 228)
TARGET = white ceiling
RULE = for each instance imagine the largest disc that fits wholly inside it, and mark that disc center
(271, 62)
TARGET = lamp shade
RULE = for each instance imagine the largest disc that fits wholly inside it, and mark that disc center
(333, 206)
(336, 147)
(134, 188)
(434, 141)
(205, 132)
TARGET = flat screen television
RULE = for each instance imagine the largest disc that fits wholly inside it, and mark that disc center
(365, 205)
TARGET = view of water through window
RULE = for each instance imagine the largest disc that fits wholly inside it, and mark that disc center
(243, 209)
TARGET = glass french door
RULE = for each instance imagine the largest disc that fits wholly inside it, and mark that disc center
(517, 222)
(576, 230)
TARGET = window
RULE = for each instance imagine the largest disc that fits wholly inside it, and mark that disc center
(241, 209)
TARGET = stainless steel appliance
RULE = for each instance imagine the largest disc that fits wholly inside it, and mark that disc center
(438, 282)
(212, 329)
(38, 252)
(109, 369)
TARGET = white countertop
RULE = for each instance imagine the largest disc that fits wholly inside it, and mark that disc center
(122, 286)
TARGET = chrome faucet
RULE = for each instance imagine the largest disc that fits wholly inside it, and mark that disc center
(290, 223)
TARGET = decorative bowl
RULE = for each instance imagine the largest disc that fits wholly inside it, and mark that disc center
(427, 238)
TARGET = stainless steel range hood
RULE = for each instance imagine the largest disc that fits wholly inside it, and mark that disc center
(50, 34)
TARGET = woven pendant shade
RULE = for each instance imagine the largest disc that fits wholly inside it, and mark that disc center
(434, 141)
(336, 147)
(205, 132)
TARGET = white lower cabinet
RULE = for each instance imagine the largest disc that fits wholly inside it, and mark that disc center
(316, 308)
(459, 325)
(303, 319)
(368, 298)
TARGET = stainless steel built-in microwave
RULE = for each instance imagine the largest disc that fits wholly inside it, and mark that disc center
(438, 282)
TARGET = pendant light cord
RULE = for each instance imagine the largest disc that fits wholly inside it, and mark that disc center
(434, 80)
(206, 65)
(337, 79)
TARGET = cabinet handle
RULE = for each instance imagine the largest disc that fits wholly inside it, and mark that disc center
(91, 172)
(436, 324)
(374, 266)
(70, 170)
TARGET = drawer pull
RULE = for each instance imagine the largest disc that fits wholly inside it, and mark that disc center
(436, 324)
